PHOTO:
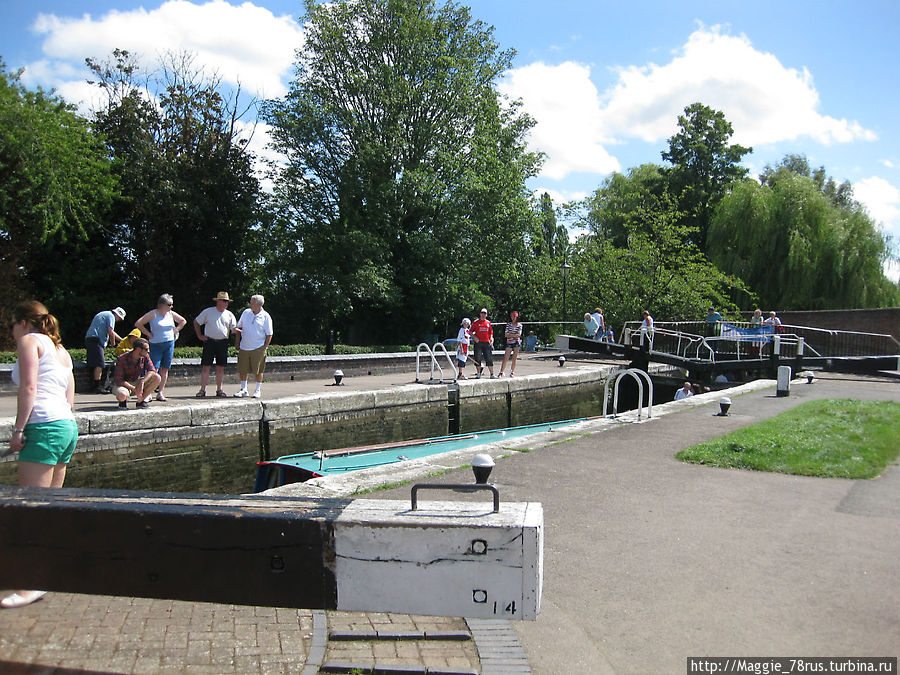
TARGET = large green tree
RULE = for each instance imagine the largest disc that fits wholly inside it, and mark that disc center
(704, 164)
(402, 200)
(651, 264)
(801, 242)
(55, 189)
(189, 202)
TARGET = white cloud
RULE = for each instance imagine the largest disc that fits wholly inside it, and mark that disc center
(244, 44)
(765, 102)
(565, 105)
(882, 200)
(886, 162)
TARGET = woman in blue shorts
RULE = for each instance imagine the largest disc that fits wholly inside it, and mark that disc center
(45, 433)
(162, 326)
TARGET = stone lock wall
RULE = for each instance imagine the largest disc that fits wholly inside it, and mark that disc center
(213, 448)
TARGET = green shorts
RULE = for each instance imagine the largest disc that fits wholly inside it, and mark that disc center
(50, 442)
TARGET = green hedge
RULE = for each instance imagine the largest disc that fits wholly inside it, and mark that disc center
(274, 350)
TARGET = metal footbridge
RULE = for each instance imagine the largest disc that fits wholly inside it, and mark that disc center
(708, 350)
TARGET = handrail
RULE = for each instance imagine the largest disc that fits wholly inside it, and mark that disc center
(634, 372)
(423, 346)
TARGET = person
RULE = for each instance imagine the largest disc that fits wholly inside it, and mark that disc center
(136, 375)
(484, 343)
(531, 342)
(712, 326)
(774, 321)
(601, 322)
(98, 335)
(254, 333)
(513, 336)
(462, 347)
(712, 316)
(685, 392)
(646, 330)
(213, 326)
(756, 321)
(162, 326)
(126, 343)
(590, 326)
(45, 432)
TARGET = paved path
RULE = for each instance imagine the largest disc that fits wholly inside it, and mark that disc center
(647, 561)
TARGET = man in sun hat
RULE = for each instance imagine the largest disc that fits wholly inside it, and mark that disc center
(213, 327)
(95, 340)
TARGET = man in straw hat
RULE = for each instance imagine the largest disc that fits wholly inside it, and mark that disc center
(213, 326)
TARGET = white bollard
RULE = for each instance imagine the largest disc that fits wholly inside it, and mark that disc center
(784, 381)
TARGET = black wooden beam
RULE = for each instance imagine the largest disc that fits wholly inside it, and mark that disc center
(227, 549)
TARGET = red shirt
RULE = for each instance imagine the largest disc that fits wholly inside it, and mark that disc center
(483, 330)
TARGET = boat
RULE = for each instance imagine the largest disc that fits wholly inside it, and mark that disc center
(304, 466)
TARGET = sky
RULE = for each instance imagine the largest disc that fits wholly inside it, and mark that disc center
(604, 80)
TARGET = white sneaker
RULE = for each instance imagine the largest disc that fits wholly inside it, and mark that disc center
(242, 393)
(257, 393)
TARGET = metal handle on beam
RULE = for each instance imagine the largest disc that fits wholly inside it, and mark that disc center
(459, 487)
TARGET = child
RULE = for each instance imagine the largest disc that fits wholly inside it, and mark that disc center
(462, 347)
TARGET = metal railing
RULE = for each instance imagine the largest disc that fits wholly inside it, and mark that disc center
(670, 336)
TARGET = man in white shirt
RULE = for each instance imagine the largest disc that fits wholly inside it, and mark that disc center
(254, 331)
(685, 392)
(213, 326)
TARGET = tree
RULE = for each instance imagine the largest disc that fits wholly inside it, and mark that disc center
(657, 268)
(404, 168)
(55, 188)
(704, 164)
(616, 208)
(798, 248)
(550, 238)
(189, 200)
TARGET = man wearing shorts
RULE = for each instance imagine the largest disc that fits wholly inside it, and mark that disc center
(136, 375)
(483, 333)
(254, 333)
(96, 339)
(213, 326)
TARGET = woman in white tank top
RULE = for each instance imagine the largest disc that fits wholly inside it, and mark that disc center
(45, 433)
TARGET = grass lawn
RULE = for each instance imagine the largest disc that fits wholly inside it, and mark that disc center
(834, 438)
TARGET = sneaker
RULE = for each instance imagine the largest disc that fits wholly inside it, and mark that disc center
(512, 374)
(123, 404)
(500, 375)
(257, 393)
(478, 376)
(242, 393)
(21, 599)
(160, 397)
(143, 404)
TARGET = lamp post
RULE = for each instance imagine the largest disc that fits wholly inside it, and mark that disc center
(565, 267)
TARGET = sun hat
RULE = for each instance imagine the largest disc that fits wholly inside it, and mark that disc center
(119, 312)
(222, 295)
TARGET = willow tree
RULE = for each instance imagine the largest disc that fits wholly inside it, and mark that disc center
(404, 168)
(798, 248)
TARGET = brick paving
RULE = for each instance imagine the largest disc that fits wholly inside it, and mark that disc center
(135, 635)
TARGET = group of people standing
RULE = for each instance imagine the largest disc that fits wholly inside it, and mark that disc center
(145, 354)
(481, 333)
(45, 432)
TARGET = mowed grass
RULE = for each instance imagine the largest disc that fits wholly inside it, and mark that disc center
(834, 438)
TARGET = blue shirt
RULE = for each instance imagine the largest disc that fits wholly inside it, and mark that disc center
(100, 327)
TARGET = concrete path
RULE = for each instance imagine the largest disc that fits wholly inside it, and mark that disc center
(647, 561)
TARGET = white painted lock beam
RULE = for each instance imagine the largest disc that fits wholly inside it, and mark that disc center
(443, 559)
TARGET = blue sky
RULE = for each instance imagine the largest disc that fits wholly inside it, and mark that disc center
(604, 80)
